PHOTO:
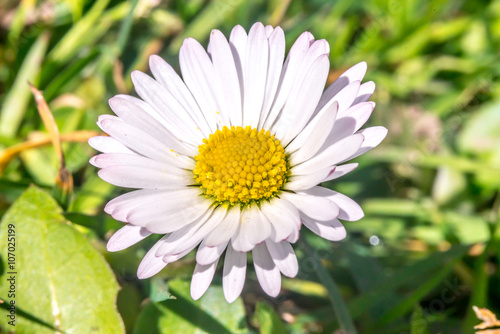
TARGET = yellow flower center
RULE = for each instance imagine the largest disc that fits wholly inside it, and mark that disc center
(240, 165)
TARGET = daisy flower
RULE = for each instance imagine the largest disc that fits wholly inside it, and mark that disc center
(228, 158)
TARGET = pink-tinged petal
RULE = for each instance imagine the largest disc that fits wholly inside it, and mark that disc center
(316, 207)
(349, 209)
(284, 257)
(283, 216)
(351, 121)
(107, 144)
(206, 255)
(373, 137)
(233, 276)
(225, 230)
(150, 264)
(125, 237)
(202, 277)
(330, 156)
(300, 182)
(340, 171)
(331, 230)
(256, 63)
(267, 272)
(365, 91)
(224, 66)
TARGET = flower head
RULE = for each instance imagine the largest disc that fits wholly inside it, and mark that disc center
(229, 158)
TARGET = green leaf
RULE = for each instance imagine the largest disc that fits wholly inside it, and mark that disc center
(210, 314)
(418, 323)
(269, 321)
(61, 281)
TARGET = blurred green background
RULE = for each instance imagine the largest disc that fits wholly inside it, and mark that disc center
(427, 250)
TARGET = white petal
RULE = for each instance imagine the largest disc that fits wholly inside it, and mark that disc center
(306, 92)
(225, 230)
(179, 121)
(283, 216)
(206, 255)
(310, 140)
(316, 207)
(257, 53)
(267, 272)
(142, 143)
(139, 177)
(199, 76)
(167, 76)
(150, 264)
(191, 234)
(373, 136)
(284, 257)
(225, 67)
(299, 182)
(233, 276)
(238, 44)
(341, 171)
(287, 79)
(172, 219)
(276, 56)
(261, 226)
(349, 209)
(365, 91)
(202, 277)
(332, 230)
(269, 30)
(239, 240)
(332, 155)
(107, 144)
(350, 122)
(140, 119)
(355, 73)
(125, 237)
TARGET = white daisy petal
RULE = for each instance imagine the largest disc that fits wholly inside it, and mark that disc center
(255, 69)
(284, 257)
(225, 67)
(106, 144)
(261, 227)
(202, 277)
(299, 182)
(316, 207)
(198, 73)
(179, 123)
(167, 76)
(142, 143)
(267, 272)
(225, 230)
(373, 136)
(317, 132)
(365, 91)
(206, 255)
(332, 230)
(340, 171)
(150, 264)
(125, 237)
(238, 43)
(353, 119)
(233, 276)
(355, 73)
(349, 209)
(290, 68)
(283, 216)
(142, 120)
(332, 155)
(276, 56)
(240, 241)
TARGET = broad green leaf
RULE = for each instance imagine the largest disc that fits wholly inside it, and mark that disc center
(418, 323)
(61, 280)
(269, 321)
(210, 314)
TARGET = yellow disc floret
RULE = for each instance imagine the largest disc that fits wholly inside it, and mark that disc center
(240, 165)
